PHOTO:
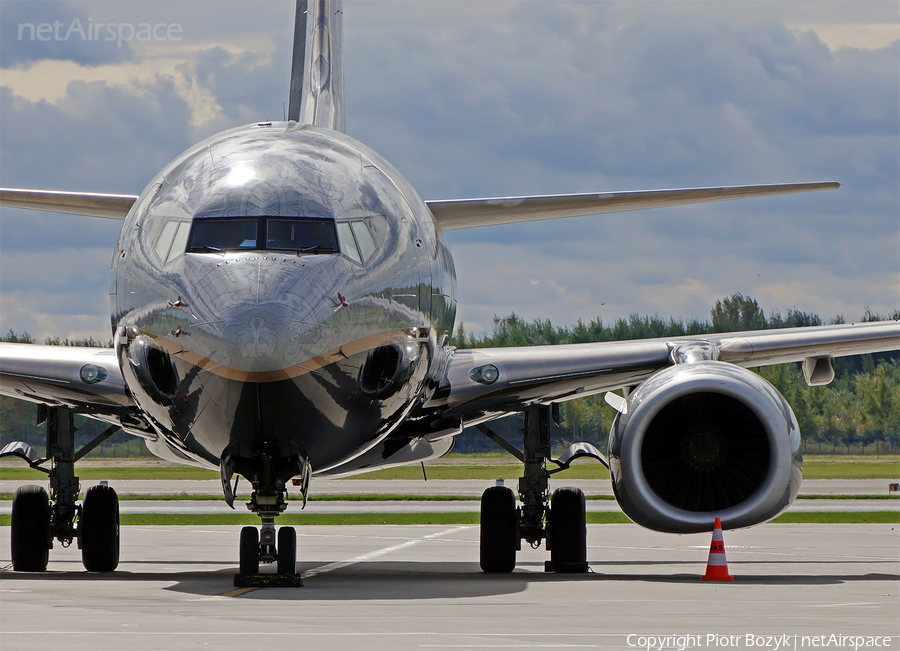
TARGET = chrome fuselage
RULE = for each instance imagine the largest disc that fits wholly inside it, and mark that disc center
(291, 348)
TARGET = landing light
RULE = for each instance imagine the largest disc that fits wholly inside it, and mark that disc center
(91, 374)
(486, 374)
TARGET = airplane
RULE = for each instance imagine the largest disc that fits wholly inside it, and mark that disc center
(282, 301)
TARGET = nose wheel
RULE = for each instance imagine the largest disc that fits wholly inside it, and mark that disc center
(287, 550)
(259, 547)
(268, 473)
(249, 551)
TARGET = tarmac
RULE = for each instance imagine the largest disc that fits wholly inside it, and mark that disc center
(393, 588)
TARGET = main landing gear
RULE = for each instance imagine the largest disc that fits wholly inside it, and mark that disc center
(268, 474)
(39, 518)
(560, 520)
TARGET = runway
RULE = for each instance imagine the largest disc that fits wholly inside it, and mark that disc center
(383, 588)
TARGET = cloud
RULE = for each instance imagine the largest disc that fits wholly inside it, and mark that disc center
(68, 33)
(516, 99)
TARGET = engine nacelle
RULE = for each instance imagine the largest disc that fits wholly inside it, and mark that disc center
(704, 440)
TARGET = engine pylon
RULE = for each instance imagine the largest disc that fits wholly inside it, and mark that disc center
(717, 566)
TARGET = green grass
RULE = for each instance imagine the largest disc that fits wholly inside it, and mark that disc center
(181, 497)
(117, 472)
(210, 519)
(812, 469)
(483, 471)
(214, 519)
(371, 497)
(872, 517)
(851, 470)
(848, 497)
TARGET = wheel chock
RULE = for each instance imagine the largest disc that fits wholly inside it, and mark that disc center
(268, 581)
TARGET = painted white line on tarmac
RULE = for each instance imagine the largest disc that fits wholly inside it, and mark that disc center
(381, 552)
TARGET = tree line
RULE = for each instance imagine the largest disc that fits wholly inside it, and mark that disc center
(18, 417)
(859, 412)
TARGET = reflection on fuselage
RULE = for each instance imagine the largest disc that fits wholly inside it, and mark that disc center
(304, 312)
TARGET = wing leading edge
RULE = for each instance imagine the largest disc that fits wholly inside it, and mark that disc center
(452, 214)
(557, 373)
(89, 204)
(470, 213)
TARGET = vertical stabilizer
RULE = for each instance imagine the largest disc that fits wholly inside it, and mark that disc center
(298, 57)
(317, 71)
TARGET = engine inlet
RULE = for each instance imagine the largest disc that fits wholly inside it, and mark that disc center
(705, 452)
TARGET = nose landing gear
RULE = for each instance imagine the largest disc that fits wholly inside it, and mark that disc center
(268, 501)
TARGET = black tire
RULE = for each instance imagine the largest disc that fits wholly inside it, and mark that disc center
(499, 537)
(249, 550)
(98, 529)
(567, 531)
(287, 550)
(30, 529)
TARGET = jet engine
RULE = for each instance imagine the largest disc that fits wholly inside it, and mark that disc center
(152, 368)
(704, 440)
(388, 368)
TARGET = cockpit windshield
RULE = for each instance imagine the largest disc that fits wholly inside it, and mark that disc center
(303, 235)
(224, 234)
(300, 235)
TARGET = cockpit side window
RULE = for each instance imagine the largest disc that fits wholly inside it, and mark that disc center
(348, 243)
(364, 239)
(180, 242)
(356, 241)
(172, 240)
(164, 243)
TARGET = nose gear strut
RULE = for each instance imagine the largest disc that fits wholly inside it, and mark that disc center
(268, 474)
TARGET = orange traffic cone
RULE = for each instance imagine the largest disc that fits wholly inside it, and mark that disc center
(717, 566)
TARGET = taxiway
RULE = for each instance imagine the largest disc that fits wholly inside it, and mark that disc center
(419, 587)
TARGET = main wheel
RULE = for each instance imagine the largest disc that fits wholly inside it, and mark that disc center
(567, 531)
(499, 538)
(249, 550)
(287, 550)
(98, 529)
(30, 529)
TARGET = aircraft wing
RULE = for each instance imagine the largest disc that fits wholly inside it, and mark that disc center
(87, 380)
(90, 204)
(547, 374)
(469, 213)
(451, 214)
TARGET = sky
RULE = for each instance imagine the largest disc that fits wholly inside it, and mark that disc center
(487, 99)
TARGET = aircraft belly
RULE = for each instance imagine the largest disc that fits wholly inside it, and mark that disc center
(325, 413)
